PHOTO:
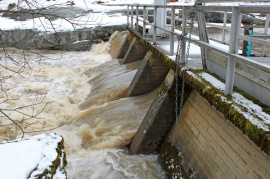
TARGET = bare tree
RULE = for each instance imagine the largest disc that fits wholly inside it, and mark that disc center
(10, 65)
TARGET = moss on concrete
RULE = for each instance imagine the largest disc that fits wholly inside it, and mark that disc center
(215, 98)
(227, 107)
(154, 49)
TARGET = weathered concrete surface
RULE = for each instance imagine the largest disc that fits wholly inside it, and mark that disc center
(120, 45)
(159, 119)
(135, 52)
(212, 147)
(149, 76)
(78, 40)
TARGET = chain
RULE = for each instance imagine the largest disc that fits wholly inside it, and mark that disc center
(183, 67)
(177, 66)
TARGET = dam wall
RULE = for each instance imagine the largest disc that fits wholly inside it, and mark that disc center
(212, 138)
(79, 40)
(211, 146)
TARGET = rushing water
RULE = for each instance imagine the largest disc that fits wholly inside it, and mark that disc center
(85, 93)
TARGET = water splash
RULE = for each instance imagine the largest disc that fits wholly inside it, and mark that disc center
(89, 107)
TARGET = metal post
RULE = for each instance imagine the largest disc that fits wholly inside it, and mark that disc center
(155, 26)
(144, 20)
(128, 15)
(162, 16)
(172, 30)
(224, 26)
(131, 16)
(202, 34)
(233, 48)
(184, 31)
(266, 30)
(137, 18)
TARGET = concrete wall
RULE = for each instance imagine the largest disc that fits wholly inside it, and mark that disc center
(159, 119)
(212, 147)
(247, 78)
(135, 52)
(120, 45)
(149, 76)
(78, 40)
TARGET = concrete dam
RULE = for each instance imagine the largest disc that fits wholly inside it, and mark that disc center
(210, 139)
(168, 100)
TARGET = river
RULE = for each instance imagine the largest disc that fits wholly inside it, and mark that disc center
(81, 96)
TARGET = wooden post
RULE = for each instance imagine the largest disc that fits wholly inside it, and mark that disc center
(233, 48)
(172, 30)
(155, 26)
(184, 31)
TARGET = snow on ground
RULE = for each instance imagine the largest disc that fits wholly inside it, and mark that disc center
(95, 14)
(84, 4)
(243, 3)
(20, 157)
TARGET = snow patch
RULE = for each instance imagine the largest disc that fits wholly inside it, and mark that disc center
(20, 157)
(254, 112)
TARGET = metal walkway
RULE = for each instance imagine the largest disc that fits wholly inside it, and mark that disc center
(161, 24)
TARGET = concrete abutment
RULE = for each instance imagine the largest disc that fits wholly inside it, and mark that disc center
(159, 119)
(135, 52)
(211, 139)
(149, 76)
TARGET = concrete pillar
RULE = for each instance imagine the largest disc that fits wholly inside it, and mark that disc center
(120, 45)
(135, 52)
(149, 76)
(159, 119)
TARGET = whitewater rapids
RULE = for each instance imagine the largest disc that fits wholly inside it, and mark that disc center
(84, 98)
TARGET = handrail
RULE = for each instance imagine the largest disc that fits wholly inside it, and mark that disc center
(232, 54)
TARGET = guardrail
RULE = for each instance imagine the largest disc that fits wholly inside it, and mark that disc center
(133, 14)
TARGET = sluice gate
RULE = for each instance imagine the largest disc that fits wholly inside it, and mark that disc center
(215, 135)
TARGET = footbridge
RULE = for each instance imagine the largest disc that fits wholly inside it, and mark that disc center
(211, 116)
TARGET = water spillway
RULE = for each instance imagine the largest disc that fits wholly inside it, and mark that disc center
(93, 106)
(209, 138)
(88, 105)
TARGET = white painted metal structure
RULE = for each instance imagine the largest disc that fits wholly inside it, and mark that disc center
(232, 54)
(161, 14)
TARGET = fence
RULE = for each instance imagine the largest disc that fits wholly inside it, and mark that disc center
(134, 14)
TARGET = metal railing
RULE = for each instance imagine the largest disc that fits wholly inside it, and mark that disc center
(133, 13)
